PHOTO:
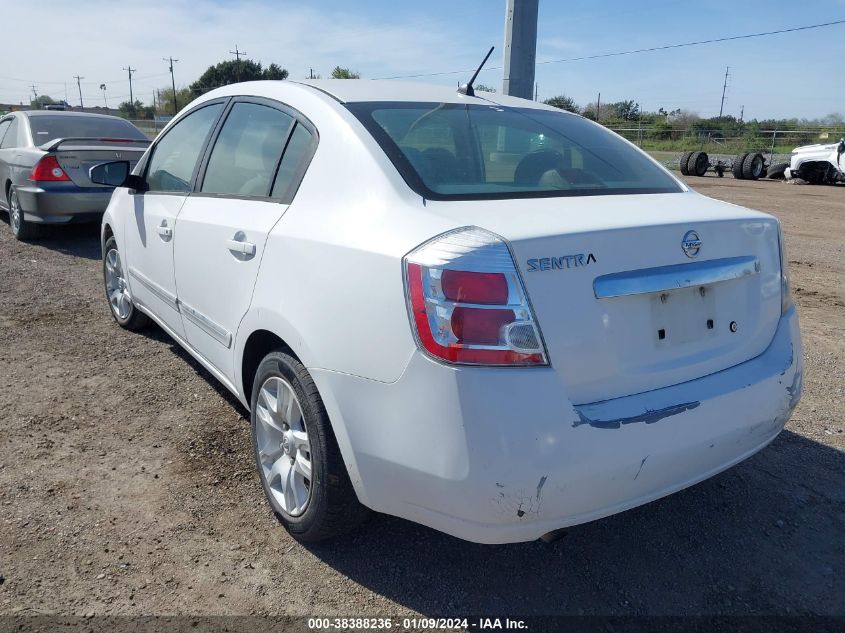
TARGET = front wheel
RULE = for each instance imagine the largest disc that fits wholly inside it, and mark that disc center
(21, 228)
(299, 463)
(117, 291)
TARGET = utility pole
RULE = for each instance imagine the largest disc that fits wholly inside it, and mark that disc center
(131, 70)
(35, 93)
(724, 88)
(172, 83)
(79, 85)
(103, 88)
(741, 114)
(311, 73)
(520, 47)
(237, 55)
(598, 108)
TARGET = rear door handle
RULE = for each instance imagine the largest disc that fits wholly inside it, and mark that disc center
(241, 247)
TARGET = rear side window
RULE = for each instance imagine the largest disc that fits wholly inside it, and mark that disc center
(453, 151)
(10, 139)
(174, 157)
(4, 125)
(247, 151)
(48, 127)
(293, 163)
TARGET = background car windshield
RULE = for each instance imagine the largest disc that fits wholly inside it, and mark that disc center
(48, 127)
(454, 151)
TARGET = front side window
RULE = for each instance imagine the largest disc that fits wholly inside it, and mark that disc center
(175, 156)
(247, 151)
(455, 151)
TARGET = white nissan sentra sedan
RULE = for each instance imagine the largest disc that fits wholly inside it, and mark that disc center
(478, 313)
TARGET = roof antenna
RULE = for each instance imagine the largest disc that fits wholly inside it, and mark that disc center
(467, 89)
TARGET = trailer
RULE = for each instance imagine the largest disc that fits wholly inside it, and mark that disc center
(745, 166)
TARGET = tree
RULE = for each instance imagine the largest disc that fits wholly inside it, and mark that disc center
(484, 88)
(564, 103)
(40, 101)
(627, 110)
(232, 71)
(165, 99)
(136, 110)
(345, 73)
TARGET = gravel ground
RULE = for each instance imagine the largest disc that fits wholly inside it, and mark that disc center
(127, 484)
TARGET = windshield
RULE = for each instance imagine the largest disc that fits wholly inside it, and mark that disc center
(454, 151)
(50, 127)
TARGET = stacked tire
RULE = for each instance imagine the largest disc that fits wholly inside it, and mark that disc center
(749, 166)
(694, 163)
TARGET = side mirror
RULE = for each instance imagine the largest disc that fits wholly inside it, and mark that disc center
(113, 174)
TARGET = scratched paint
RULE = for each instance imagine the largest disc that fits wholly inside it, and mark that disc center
(642, 463)
(648, 417)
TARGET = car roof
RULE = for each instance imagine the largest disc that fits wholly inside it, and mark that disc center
(37, 113)
(359, 90)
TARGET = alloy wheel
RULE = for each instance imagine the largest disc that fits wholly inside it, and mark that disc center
(116, 288)
(284, 449)
(15, 212)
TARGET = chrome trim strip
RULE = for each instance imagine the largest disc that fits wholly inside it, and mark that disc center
(168, 297)
(662, 278)
(218, 333)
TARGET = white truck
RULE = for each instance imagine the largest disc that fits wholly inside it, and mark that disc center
(820, 164)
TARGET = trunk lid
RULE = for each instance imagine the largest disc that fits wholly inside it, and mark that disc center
(622, 307)
(77, 157)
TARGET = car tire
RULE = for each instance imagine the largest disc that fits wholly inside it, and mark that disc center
(683, 163)
(297, 457)
(753, 166)
(21, 228)
(120, 301)
(697, 163)
(736, 167)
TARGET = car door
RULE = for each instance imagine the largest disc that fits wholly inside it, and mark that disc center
(5, 173)
(248, 179)
(149, 233)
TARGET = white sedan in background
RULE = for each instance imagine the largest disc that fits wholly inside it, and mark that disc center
(478, 313)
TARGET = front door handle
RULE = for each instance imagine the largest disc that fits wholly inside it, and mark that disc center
(165, 231)
(239, 246)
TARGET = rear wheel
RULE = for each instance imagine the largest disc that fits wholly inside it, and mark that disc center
(697, 163)
(299, 463)
(21, 229)
(117, 291)
(683, 163)
(753, 166)
(736, 167)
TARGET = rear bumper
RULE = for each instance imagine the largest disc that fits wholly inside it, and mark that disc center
(62, 203)
(497, 456)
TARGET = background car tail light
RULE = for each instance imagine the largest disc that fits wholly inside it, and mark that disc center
(48, 169)
(468, 304)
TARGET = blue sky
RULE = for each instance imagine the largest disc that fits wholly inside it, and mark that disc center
(796, 74)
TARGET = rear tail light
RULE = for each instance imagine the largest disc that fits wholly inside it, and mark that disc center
(48, 169)
(785, 287)
(467, 302)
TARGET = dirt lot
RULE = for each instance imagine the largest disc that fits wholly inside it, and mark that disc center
(127, 484)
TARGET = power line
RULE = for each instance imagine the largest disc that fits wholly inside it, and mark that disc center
(637, 50)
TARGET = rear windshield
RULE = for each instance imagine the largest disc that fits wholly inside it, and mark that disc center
(50, 127)
(454, 151)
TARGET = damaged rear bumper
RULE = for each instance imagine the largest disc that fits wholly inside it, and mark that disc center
(496, 456)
